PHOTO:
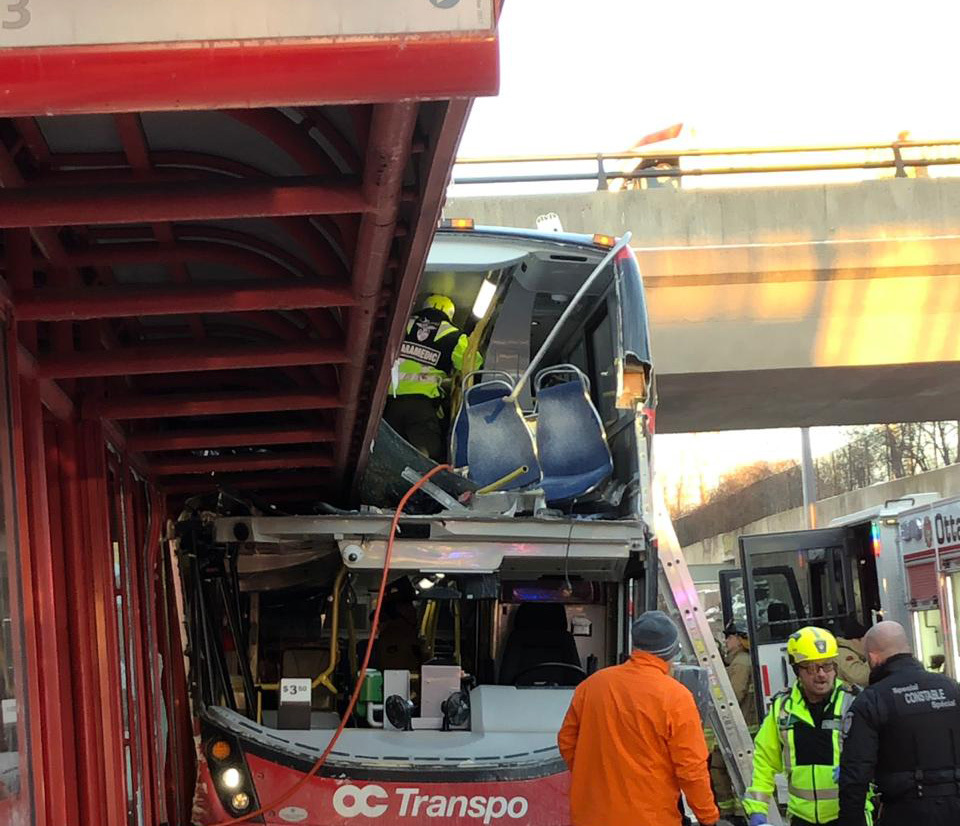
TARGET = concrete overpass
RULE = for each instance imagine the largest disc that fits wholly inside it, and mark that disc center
(778, 307)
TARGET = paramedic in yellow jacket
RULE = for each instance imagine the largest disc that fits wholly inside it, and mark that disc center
(431, 351)
(802, 737)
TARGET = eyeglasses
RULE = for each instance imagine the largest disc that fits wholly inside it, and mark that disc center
(818, 668)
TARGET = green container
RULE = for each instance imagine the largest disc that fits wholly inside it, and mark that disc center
(371, 691)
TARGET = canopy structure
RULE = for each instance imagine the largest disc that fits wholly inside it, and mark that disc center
(212, 244)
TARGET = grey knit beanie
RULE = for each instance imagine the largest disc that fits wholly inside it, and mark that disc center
(657, 634)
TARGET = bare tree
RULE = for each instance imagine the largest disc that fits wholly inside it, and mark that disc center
(677, 503)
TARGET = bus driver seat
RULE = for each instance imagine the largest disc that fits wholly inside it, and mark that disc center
(540, 635)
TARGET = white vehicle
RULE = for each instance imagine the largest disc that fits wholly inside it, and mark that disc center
(886, 562)
(929, 541)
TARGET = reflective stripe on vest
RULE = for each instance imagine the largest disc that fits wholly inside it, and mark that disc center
(415, 378)
(813, 793)
(786, 745)
(423, 378)
(760, 797)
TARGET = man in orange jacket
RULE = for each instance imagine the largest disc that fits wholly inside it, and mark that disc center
(633, 739)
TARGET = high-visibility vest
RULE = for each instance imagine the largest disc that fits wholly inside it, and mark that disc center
(790, 743)
(431, 350)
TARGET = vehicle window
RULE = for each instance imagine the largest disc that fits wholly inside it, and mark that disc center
(827, 591)
(738, 604)
(779, 605)
(809, 584)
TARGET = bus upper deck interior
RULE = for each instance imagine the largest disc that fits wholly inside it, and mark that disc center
(511, 580)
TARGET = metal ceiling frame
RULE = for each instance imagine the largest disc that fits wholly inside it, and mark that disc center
(319, 325)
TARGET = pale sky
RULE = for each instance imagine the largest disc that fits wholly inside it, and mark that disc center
(589, 76)
(596, 76)
(686, 457)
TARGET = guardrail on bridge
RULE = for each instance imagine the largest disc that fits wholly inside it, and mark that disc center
(637, 169)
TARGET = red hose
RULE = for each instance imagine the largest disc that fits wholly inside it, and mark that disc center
(361, 675)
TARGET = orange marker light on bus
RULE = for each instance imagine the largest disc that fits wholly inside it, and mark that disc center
(604, 240)
(457, 223)
(220, 750)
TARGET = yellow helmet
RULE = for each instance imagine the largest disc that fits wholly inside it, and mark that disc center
(811, 644)
(441, 303)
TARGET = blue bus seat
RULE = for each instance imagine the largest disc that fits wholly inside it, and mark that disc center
(571, 443)
(498, 442)
(459, 433)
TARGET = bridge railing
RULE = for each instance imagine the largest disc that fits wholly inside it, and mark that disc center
(657, 167)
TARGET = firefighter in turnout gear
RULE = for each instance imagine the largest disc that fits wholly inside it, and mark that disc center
(852, 661)
(431, 351)
(801, 736)
(903, 735)
(740, 672)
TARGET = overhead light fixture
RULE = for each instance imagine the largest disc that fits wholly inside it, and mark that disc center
(484, 298)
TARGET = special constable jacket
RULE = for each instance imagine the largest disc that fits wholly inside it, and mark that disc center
(903, 733)
(792, 742)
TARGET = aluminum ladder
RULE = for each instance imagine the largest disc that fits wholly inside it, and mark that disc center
(683, 603)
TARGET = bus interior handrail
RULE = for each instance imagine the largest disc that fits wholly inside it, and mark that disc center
(622, 243)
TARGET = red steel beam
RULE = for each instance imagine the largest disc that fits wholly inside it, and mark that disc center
(86, 694)
(206, 404)
(136, 149)
(391, 135)
(322, 250)
(219, 246)
(18, 257)
(186, 358)
(95, 499)
(231, 437)
(443, 149)
(51, 394)
(316, 118)
(117, 301)
(248, 259)
(249, 462)
(291, 138)
(126, 78)
(178, 201)
(46, 620)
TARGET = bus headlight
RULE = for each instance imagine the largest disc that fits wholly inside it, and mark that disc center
(230, 778)
(240, 801)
